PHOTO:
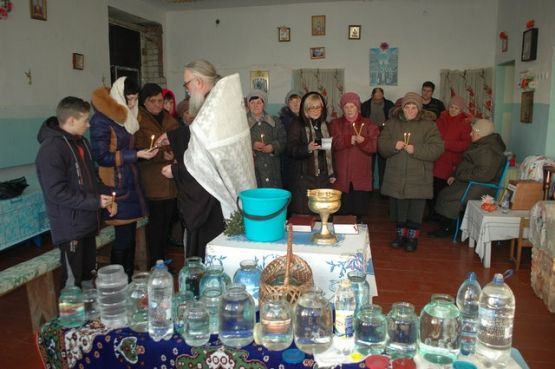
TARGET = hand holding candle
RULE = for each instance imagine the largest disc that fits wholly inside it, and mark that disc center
(113, 197)
(262, 138)
(151, 142)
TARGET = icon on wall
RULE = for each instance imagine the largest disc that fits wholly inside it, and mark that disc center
(38, 9)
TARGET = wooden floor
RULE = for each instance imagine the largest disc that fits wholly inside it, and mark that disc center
(438, 266)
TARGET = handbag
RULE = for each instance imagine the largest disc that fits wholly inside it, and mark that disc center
(12, 188)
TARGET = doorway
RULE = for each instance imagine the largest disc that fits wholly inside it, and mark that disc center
(504, 95)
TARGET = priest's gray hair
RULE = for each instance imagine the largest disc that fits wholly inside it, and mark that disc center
(204, 70)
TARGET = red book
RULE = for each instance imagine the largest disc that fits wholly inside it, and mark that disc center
(345, 224)
(302, 223)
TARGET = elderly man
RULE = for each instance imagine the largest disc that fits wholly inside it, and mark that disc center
(482, 162)
(208, 181)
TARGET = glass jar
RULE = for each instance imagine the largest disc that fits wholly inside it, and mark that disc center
(180, 303)
(370, 329)
(237, 317)
(191, 274)
(72, 308)
(440, 330)
(312, 322)
(214, 277)
(249, 275)
(92, 311)
(276, 332)
(211, 298)
(360, 287)
(402, 330)
(111, 287)
(137, 308)
(197, 331)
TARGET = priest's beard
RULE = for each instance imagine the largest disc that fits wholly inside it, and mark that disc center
(195, 103)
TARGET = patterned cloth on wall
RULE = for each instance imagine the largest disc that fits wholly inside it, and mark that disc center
(329, 82)
(475, 85)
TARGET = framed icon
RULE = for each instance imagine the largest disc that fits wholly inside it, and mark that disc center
(38, 9)
(78, 61)
(317, 52)
(260, 80)
(284, 34)
(354, 32)
(318, 25)
(529, 44)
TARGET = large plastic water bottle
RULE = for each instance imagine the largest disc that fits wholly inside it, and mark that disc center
(160, 295)
(495, 323)
(345, 305)
(468, 301)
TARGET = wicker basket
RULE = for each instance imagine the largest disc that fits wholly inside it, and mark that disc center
(287, 275)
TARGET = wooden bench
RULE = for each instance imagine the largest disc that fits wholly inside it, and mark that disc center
(37, 275)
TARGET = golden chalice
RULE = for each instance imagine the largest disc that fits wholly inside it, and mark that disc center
(324, 201)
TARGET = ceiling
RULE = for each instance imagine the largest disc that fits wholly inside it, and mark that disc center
(170, 5)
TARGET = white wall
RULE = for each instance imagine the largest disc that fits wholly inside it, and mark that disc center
(46, 47)
(430, 35)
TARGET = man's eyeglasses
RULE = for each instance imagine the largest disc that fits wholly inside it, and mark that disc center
(186, 84)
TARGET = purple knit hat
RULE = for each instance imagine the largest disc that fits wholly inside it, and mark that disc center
(350, 97)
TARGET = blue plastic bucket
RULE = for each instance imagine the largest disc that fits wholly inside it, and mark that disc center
(264, 211)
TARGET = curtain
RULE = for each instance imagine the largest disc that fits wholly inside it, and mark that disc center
(474, 85)
(329, 82)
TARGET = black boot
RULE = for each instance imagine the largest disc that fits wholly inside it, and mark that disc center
(400, 236)
(412, 240)
(446, 229)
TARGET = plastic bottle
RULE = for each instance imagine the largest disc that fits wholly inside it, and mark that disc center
(345, 305)
(495, 323)
(160, 295)
(468, 301)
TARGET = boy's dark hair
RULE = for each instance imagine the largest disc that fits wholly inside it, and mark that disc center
(71, 106)
(429, 84)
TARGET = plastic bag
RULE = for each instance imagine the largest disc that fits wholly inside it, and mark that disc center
(12, 188)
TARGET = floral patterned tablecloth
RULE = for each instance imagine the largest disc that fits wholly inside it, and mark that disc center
(95, 347)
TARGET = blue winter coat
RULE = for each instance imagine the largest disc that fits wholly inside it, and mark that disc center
(69, 183)
(113, 151)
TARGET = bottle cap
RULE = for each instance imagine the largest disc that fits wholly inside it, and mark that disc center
(356, 356)
(377, 362)
(471, 276)
(403, 363)
(292, 356)
(459, 364)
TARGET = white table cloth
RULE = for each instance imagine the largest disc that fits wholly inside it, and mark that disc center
(482, 227)
(329, 264)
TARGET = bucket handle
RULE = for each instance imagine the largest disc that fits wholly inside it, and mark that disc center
(263, 217)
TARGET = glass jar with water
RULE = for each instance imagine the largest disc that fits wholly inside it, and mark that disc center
(312, 322)
(370, 330)
(276, 323)
(191, 274)
(249, 275)
(111, 286)
(137, 309)
(402, 330)
(440, 330)
(214, 277)
(72, 308)
(237, 317)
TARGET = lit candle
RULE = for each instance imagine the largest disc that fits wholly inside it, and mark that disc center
(151, 142)
(408, 138)
(262, 138)
(113, 197)
(405, 137)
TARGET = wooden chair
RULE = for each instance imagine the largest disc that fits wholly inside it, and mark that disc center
(520, 242)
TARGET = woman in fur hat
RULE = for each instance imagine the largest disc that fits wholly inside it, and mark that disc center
(112, 129)
(411, 143)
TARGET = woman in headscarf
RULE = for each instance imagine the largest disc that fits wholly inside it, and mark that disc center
(113, 149)
(310, 166)
(160, 191)
(411, 143)
(355, 141)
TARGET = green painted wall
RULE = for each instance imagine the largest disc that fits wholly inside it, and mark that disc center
(18, 141)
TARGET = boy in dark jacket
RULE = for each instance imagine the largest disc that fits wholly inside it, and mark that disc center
(71, 189)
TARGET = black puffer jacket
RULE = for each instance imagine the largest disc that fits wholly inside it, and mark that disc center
(69, 184)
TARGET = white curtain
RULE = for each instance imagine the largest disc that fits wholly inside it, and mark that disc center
(329, 82)
(474, 85)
